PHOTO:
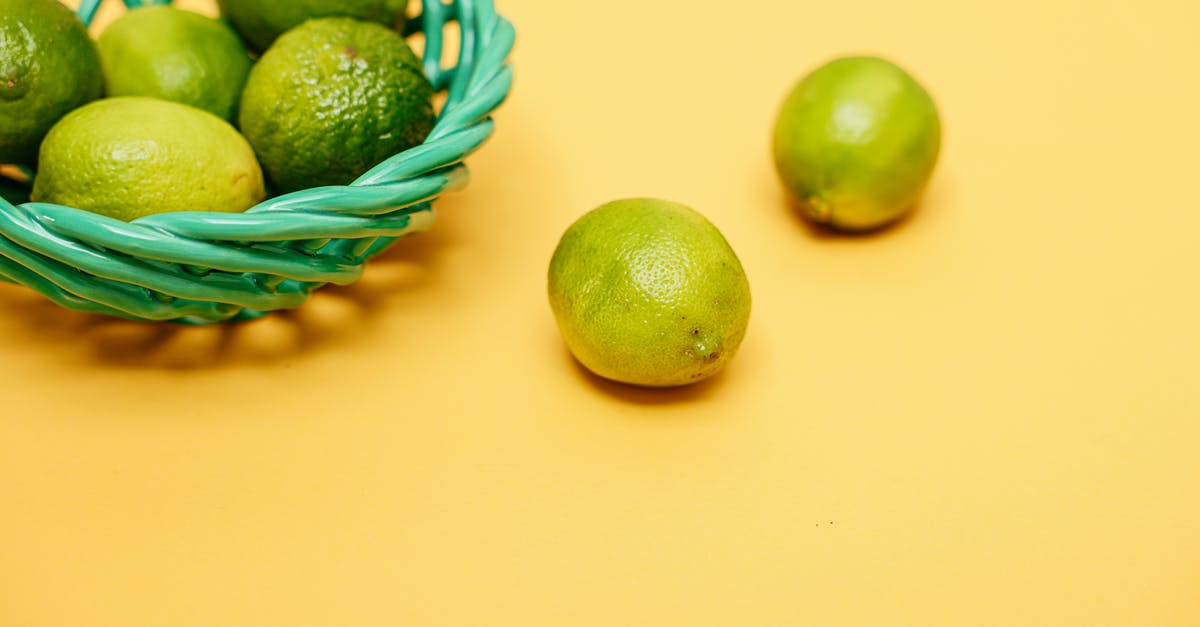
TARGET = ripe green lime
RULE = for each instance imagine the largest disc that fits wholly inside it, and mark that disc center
(134, 156)
(178, 55)
(856, 143)
(262, 21)
(331, 99)
(48, 66)
(648, 292)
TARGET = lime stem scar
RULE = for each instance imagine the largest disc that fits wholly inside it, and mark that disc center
(817, 210)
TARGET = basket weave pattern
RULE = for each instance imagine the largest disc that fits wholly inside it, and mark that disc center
(203, 267)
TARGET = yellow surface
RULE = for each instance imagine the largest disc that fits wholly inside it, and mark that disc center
(986, 416)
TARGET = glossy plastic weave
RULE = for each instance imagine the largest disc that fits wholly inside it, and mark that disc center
(202, 267)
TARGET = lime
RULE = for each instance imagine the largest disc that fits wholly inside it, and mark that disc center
(331, 99)
(134, 156)
(262, 21)
(178, 55)
(856, 143)
(648, 292)
(48, 66)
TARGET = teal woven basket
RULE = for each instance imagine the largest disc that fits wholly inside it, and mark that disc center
(201, 267)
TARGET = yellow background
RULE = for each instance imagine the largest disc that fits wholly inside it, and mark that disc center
(986, 416)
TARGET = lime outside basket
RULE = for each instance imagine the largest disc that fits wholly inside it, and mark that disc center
(203, 267)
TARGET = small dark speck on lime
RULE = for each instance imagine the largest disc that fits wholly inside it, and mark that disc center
(351, 52)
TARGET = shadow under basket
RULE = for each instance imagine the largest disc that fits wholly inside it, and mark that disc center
(202, 267)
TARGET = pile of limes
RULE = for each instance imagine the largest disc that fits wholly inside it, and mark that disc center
(170, 110)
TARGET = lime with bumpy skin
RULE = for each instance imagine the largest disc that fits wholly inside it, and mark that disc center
(648, 292)
(48, 66)
(131, 157)
(331, 99)
(856, 143)
(177, 55)
(261, 22)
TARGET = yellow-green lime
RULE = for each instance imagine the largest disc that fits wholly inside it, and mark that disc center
(48, 66)
(331, 99)
(856, 142)
(263, 21)
(135, 156)
(648, 292)
(178, 55)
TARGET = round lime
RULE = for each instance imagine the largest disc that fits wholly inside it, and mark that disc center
(178, 55)
(48, 66)
(648, 292)
(331, 99)
(856, 143)
(134, 156)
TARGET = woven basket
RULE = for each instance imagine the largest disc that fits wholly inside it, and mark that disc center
(202, 267)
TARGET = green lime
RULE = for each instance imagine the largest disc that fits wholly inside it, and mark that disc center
(262, 21)
(648, 292)
(331, 99)
(134, 156)
(178, 55)
(48, 66)
(856, 143)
